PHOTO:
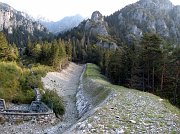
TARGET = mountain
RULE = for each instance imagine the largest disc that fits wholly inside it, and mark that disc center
(63, 25)
(19, 26)
(128, 25)
(92, 31)
(146, 16)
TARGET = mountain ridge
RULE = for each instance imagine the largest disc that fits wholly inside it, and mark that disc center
(128, 25)
(145, 16)
(19, 26)
(62, 25)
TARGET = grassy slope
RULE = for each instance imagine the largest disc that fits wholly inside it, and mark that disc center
(96, 92)
(130, 110)
(16, 83)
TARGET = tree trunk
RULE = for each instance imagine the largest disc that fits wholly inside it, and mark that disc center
(143, 81)
(162, 79)
(148, 78)
(153, 81)
(175, 89)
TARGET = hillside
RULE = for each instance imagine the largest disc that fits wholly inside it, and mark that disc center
(128, 111)
(109, 108)
(127, 26)
(19, 26)
(63, 25)
(145, 16)
(118, 74)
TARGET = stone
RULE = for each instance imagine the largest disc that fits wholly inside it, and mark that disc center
(82, 126)
(121, 131)
(117, 117)
(89, 126)
(169, 123)
(132, 121)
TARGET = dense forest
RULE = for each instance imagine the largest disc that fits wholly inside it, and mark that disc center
(151, 65)
(21, 70)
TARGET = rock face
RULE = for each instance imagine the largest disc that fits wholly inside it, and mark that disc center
(96, 25)
(63, 25)
(10, 19)
(92, 31)
(18, 26)
(155, 16)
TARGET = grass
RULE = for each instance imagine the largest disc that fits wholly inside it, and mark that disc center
(98, 92)
(93, 71)
(96, 84)
(52, 100)
(17, 83)
(10, 74)
(172, 108)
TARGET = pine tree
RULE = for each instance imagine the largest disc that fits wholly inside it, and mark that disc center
(150, 58)
(7, 53)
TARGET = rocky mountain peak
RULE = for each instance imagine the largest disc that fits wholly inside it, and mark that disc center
(11, 18)
(157, 4)
(97, 16)
(147, 16)
(96, 25)
(16, 22)
(4, 6)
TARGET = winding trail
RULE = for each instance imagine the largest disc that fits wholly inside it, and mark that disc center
(66, 84)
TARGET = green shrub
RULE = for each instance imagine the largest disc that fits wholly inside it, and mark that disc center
(32, 78)
(16, 84)
(10, 74)
(93, 71)
(24, 97)
(52, 100)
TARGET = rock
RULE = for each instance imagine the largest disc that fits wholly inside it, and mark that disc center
(132, 121)
(96, 117)
(117, 117)
(121, 131)
(82, 126)
(155, 16)
(93, 130)
(145, 124)
(169, 123)
(89, 126)
(96, 24)
(97, 17)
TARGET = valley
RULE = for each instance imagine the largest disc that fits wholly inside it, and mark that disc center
(123, 110)
(115, 73)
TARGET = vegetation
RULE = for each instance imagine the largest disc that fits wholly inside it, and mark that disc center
(152, 65)
(9, 81)
(55, 54)
(20, 36)
(18, 80)
(7, 52)
(127, 106)
(20, 75)
(51, 98)
(16, 83)
(97, 92)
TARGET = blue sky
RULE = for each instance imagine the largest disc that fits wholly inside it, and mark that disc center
(57, 9)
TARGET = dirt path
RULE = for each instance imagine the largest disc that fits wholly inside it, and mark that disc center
(66, 84)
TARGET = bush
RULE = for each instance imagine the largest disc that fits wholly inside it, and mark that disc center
(24, 97)
(32, 78)
(16, 84)
(10, 75)
(52, 100)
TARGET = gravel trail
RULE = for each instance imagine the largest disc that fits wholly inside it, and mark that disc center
(66, 84)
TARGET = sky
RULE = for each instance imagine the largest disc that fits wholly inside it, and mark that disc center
(55, 10)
